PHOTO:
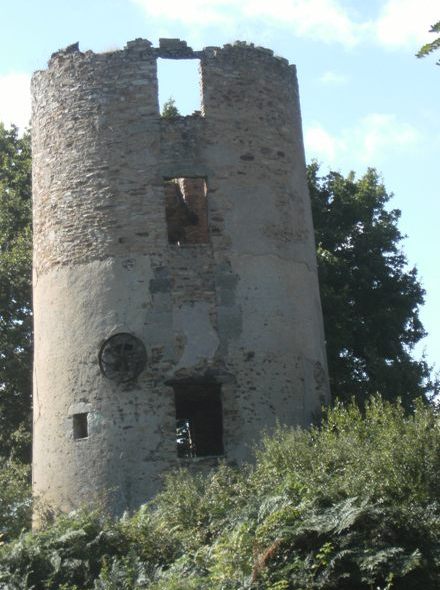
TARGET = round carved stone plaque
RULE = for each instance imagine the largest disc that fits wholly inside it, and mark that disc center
(122, 357)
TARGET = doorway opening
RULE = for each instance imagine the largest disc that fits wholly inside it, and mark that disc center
(199, 419)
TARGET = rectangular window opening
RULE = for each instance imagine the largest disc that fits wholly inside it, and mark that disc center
(186, 210)
(179, 87)
(199, 419)
(80, 426)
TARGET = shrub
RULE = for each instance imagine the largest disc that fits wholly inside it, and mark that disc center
(15, 498)
(351, 505)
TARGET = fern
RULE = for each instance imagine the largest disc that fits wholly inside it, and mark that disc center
(351, 505)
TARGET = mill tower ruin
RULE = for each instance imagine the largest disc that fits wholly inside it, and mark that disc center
(177, 309)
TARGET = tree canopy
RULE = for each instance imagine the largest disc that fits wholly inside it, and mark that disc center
(370, 299)
(15, 293)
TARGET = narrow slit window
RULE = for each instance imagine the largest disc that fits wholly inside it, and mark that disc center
(186, 210)
(199, 419)
(179, 81)
(80, 426)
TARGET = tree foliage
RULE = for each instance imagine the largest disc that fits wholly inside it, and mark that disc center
(15, 293)
(15, 498)
(370, 299)
(429, 48)
(351, 505)
(169, 110)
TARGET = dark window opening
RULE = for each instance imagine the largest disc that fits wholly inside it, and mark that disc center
(186, 210)
(80, 426)
(199, 419)
(179, 80)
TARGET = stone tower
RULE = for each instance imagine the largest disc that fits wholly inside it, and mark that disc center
(175, 281)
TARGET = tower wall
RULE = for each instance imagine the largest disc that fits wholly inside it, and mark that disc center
(238, 314)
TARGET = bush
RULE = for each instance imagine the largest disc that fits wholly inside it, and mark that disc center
(352, 505)
(15, 499)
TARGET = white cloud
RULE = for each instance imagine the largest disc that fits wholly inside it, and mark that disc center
(321, 144)
(333, 78)
(194, 12)
(375, 138)
(15, 100)
(398, 23)
(404, 23)
(379, 134)
(324, 20)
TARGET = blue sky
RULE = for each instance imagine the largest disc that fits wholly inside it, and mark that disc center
(366, 101)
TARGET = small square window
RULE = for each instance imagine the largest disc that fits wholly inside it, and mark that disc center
(80, 426)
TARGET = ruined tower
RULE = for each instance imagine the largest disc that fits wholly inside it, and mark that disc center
(175, 281)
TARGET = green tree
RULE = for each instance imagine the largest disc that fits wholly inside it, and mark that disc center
(15, 498)
(429, 48)
(169, 110)
(15, 294)
(370, 300)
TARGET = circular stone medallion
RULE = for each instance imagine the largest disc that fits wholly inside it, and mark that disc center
(122, 357)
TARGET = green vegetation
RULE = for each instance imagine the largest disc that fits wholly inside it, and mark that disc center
(15, 332)
(352, 505)
(15, 498)
(15, 294)
(429, 48)
(169, 110)
(370, 300)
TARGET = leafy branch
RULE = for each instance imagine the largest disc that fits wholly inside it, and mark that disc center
(429, 48)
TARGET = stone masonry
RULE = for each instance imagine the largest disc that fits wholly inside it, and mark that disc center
(175, 281)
